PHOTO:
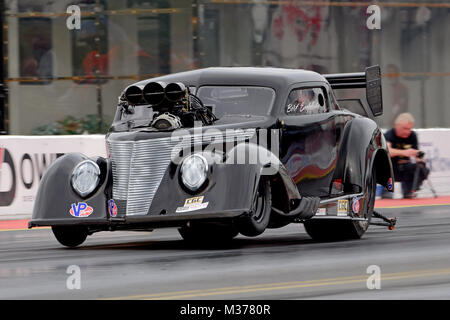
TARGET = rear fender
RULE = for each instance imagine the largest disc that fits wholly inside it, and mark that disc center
(363, 146)
(383, 165)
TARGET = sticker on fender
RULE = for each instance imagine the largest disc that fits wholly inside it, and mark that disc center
(342, 207)
(80, 210)
(321, 212)
(112, 208)
(192, 204)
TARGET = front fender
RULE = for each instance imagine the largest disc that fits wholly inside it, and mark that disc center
(230, 187)
(268, 163)
(55, 194)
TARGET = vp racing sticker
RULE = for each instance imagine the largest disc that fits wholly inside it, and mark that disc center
(112, 208)
(192, 204)
(81, 210)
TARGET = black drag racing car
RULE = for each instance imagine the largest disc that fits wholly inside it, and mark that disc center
(220, 151)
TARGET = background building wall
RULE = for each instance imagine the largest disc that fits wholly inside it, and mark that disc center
(145, 38)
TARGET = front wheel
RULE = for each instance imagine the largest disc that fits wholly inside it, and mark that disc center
(257, 222)
(70, 236)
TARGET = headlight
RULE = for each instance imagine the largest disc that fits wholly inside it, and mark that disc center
(85, 177)
(194, 171)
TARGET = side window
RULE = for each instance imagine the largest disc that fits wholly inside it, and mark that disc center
(306, 101)
(333, 101)
(192, 89)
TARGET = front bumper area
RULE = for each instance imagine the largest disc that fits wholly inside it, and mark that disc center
(139, 222)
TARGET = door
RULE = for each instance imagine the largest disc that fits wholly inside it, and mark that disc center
(309, 139)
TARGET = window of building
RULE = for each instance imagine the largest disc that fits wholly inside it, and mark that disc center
(154, 45)
(90, 56)
(35, 49)
(209, 44)
(153, 37)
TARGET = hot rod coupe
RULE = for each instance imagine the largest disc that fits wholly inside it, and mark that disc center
(220, 151)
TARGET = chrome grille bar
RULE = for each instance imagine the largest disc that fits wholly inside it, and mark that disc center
(121, 163)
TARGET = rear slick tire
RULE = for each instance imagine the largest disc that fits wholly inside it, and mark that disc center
(337, 230)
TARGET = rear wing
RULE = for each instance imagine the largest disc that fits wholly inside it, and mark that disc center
(370, 80)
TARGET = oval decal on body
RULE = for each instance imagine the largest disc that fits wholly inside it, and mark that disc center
(112, 208)
(390, 186)
(355, 205)
(81, 210)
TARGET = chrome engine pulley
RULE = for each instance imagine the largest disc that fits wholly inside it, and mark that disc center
(166, 121)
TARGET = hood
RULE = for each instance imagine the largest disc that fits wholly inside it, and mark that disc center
(120, 131)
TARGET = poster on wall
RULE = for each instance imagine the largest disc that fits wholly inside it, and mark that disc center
(300, 36)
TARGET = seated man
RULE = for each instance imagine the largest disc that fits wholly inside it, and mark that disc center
(403, 145)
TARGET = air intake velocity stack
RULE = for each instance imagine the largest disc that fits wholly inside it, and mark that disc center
(155, 93)
(133, 95)
(175, 91)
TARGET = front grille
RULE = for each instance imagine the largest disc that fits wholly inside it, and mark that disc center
(139, 166)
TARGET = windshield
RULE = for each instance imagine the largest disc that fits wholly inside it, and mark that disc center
(141, 115)
(221, 100)
(237, 100)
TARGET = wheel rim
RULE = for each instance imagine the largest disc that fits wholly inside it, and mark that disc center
(259, 204)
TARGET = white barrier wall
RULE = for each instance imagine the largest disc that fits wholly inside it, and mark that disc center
(436, 145)
(23, 160)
